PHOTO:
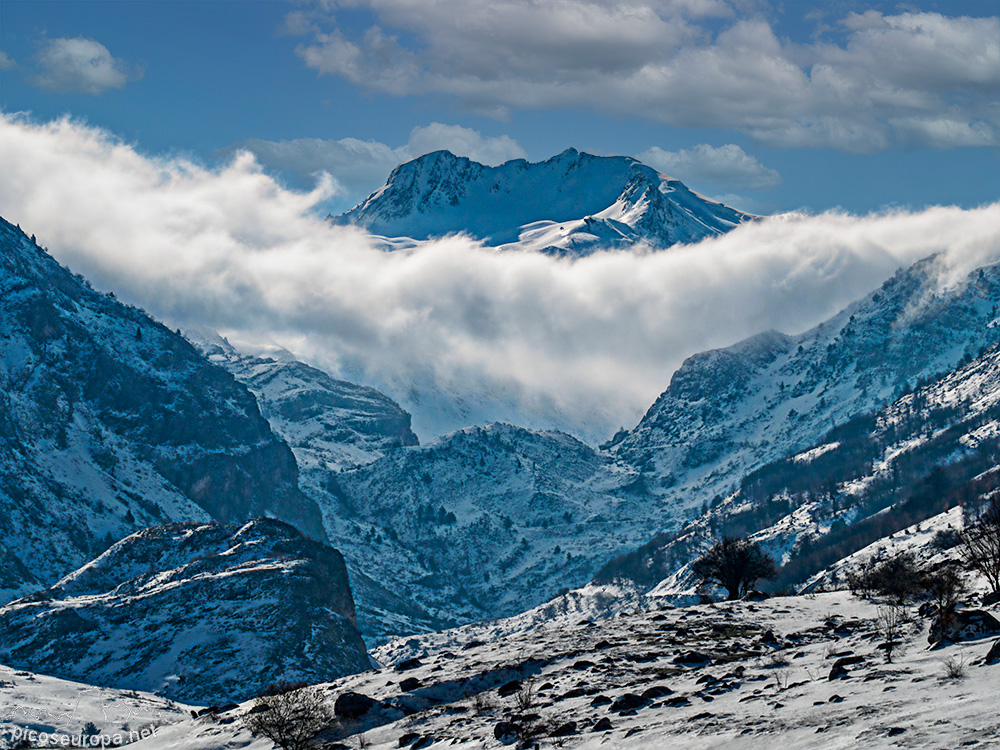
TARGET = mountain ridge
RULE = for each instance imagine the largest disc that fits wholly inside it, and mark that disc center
(572, 202)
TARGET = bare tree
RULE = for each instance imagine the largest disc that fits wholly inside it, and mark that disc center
(890, 622)
(293, 720)
(981, 544)
(945, 587)
(735, 564)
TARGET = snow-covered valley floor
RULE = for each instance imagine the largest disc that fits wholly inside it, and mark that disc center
(723, 675)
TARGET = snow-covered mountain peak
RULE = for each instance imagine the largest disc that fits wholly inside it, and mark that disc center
(571, 202)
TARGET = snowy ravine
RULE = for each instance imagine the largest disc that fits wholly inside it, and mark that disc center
(572, 203)
(204, 613)
(110, 422)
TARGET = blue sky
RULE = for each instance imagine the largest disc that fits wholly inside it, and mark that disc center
(769, 106)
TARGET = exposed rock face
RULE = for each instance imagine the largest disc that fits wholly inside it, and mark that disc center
(204, 613)
(110, 422)
(573, 202)
(329, 424)
(963, 625)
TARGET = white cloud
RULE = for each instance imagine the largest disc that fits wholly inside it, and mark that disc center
(362, 166)
(661, 60)
(6, 63)
(585, 344)
(728, 167)
(80, 65)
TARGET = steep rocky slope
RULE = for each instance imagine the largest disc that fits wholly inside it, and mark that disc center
(329, 424)
(110, 422)
(731, 410)
(204, 613)
(573, 202)
(921, 457)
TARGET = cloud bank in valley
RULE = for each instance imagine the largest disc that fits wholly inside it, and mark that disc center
(458, 332)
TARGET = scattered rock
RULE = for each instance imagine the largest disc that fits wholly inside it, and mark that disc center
(602, 725)
(410, 683)
(352, 705)
(408, 739)
(407, 665)
(994, 654)
(836, 698)
(600, 700)
(840, 666)
(990, 599)
(895, 731)
(509, 688)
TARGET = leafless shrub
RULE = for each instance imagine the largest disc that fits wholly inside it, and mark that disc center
(981, 544)
(781, 676)
(293, 720)
(525, 698)
(954, 668)
(898, 578)
(482, 703)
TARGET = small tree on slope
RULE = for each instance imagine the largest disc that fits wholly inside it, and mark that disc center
(735, 564)
(293, 720)
(981, 544)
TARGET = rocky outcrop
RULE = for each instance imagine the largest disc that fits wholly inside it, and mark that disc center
(204, 613)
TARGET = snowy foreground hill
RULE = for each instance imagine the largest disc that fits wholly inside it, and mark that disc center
(571, 203)
(799, 672)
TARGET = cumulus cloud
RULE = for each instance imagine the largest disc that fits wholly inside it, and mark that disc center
(726, 166)
(454, 330)
(6, 63)
(909, 78)
(362, 166)
(80, 65)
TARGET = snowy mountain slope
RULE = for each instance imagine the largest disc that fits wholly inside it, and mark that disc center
(204, 613)
(329, 424)
(930, 542)
(731, 410)
(110, 422)
(734, 675)
(570, 203)
(917, 459)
